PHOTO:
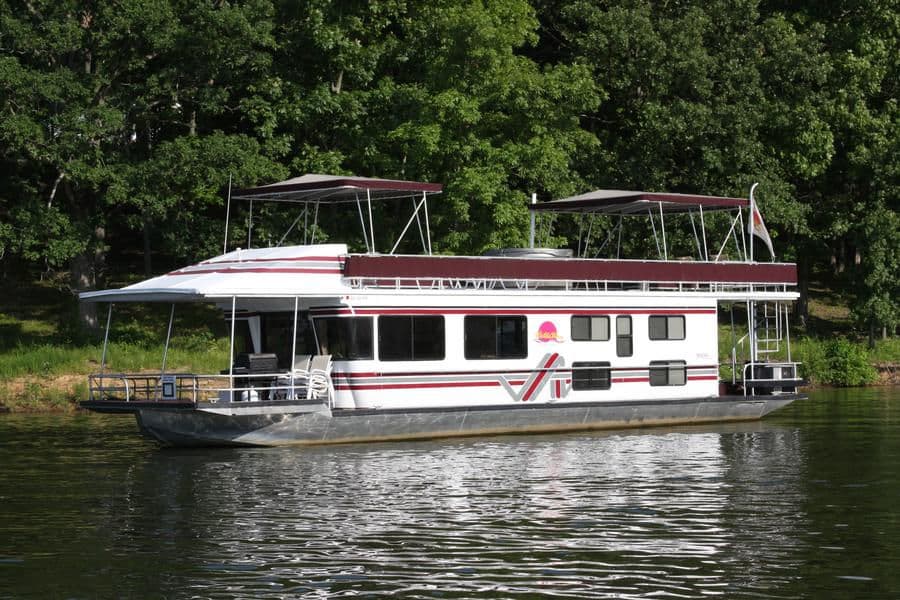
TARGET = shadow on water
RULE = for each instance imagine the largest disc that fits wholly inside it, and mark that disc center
(799, 505)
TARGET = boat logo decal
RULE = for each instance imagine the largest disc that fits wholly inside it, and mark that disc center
(547, 370)
(547, 333)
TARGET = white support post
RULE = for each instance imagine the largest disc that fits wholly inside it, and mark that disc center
(371, 225)
(655, 235)
(362, 223)
(703, 232)
(250, 224)
(227, 216)
(531, 235)
(427, 225)
(106, 339)
(168, 339)
(662, 226)
(231, 350)
(294, 347)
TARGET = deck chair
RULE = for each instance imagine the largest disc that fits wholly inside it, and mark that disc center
(319, 377)
(297, 379)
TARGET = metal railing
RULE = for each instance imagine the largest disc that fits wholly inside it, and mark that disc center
(193, 389)
(774, 377)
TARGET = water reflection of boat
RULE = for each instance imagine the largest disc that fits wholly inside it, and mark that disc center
(333, 346)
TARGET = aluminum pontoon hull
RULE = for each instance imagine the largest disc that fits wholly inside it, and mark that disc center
(181, 427)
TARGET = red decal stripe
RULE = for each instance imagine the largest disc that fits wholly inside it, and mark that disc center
(540, 377)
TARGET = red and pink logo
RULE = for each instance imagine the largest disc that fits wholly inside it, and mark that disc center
(547, 333)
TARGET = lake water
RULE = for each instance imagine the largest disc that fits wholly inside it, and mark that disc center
(804, 504)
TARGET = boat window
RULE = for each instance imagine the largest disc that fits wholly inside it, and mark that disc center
(590, 376)
(278, 337)
(624, 346)
(411, 338)
(590, 329)
(345, 338)
(668, 372)
(667, 327)
(489, 337)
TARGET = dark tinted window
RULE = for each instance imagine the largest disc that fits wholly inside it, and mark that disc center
(666, 327)
(411, 338)
(495, 337)
(668, 372)
(590, 376)
(345, 338)
(624, 345)
(593, 328)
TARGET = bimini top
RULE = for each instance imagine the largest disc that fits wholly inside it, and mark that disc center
(622, 202)
(261, 272)
(335, 189)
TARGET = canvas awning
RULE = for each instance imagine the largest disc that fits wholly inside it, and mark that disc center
(335, 189)
(622, 202)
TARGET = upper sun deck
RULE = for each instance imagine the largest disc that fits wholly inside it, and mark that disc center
(318, 270)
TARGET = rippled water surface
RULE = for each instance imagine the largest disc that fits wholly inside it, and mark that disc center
(805, 504)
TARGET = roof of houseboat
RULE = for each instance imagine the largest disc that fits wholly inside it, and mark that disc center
(335, 189)
(624, 202)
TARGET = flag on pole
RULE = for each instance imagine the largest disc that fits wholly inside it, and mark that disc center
(757, 227)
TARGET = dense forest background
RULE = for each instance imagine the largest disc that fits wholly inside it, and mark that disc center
(122, 120)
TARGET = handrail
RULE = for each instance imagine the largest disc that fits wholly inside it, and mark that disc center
(788, 381)
(198, 388)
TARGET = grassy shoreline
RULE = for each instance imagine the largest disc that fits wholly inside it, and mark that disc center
(49, 378)
(44, 365)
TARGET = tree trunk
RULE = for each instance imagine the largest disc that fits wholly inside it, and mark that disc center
(83, 271)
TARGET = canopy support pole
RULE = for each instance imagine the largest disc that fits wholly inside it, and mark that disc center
(531, 231)
(294, 347)
(408, 223)
(250, 224)
(696, 238)
(227, 216)
(703, 232)
(619, 243)
(106, 339)
(312, 238)
(655, 235)
(362, 223)
(371, 225)
(728, 237)
(165, 356)
(427, 222)
(662, 226)
(231, 350)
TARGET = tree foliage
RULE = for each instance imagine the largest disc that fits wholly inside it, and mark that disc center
(121, 121)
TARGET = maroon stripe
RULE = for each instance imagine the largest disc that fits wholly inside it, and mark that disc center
(367, 374)
(512, 311)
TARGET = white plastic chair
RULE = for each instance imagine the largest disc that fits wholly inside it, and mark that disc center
(319, 377)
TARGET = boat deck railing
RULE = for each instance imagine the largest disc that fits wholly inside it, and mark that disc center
(188, 389)
(605, 285)
(771, 378)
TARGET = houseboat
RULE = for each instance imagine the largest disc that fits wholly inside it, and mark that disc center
(333, 346)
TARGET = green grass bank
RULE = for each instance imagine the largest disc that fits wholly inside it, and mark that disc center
(44, 363)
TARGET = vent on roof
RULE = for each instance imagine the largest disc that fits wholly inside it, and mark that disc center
(530, 252)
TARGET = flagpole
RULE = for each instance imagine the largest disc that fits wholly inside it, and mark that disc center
(750, 223)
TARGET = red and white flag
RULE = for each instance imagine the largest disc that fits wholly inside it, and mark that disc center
(757, 227)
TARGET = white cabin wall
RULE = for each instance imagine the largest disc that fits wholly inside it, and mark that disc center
(456, 381)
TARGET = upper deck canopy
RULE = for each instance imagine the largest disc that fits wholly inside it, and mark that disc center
(335, 189)
(622, 202)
